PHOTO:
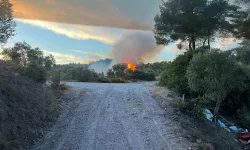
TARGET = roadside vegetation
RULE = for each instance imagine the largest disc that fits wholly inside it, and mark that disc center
(29, 94)
(206, 78)
(119, 73)
(203, 76)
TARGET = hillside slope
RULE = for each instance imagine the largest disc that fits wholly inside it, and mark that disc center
(26, 107)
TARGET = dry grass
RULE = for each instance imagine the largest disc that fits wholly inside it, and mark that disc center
(26, 108)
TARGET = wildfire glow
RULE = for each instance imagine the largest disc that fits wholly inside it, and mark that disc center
(131, 66)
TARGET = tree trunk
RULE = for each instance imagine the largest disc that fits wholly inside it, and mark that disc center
(204, 42)
(193, 45)
(190, 47)
(216, 110)
(193, 42)
(208, 43)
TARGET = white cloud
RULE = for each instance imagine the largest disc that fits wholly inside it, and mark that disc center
(91, 53)
(80, 32)
(66, 58)
(1, 56)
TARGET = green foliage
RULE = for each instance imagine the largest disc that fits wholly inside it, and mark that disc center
(242, 22)
(88, 76)
(7, 24)
(243, 53)
(111, 80)
(141, 75)
(35, 72)
(193, 20)
(175, 74)
(31, 61)
(117, 80)
(27, 107)
(164, 78)
(70, 71)
(56, 78)
(193, 108)
(244, 116)
(213, 75)
(119, 70)
(153, 68)
(110, 73)
(49, 62)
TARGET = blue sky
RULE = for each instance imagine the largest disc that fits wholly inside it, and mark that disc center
(75, 43)
(84, 31)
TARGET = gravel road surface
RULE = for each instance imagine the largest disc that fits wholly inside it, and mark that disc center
(101, 116)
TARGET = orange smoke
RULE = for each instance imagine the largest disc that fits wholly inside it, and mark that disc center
(131, 66)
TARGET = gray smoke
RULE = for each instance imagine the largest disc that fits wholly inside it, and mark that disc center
(135, 47)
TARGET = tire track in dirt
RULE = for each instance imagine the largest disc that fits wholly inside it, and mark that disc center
(111, 117)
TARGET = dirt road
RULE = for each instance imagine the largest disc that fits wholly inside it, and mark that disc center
(112, 117)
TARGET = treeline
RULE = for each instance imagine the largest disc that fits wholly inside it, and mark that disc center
(118, 73)
(30, 61)
(144, 72)
(209, 78)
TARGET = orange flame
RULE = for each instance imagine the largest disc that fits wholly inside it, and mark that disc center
(131, 66)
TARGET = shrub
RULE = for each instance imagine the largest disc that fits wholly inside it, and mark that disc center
(31, 61)
(193, 108)
(110, 73)
(27, 107)
(141, 75)
(213, 75)
(56, 78)
(243, 53)
(244, 116)
(118, 70)
(117, 80)
(36, 73)
(164, 78)
(88, 76)
(104, 80)
(175, 74)
(61, 87)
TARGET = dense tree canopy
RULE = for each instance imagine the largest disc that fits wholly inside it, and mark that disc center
(243, 52)
(31, 61)
(213, 75)
(7, 25)
(193, 21)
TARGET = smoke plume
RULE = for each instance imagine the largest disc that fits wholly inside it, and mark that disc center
(135, 47)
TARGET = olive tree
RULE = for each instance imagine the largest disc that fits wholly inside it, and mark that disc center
(31, 61)
(7, 25)
(213, 75)
(243, 52)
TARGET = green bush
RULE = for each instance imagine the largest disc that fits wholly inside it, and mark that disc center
(56, 78)
(244, 117)
(110, 73)
(141, 75)
(104, 80)
(118, 70)
(36, 73)
(193, 108)
(117, 80)
(31, 61)
(111, 80)
(175, 74)
(163, 78)
(213, 75)
(88, 76)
